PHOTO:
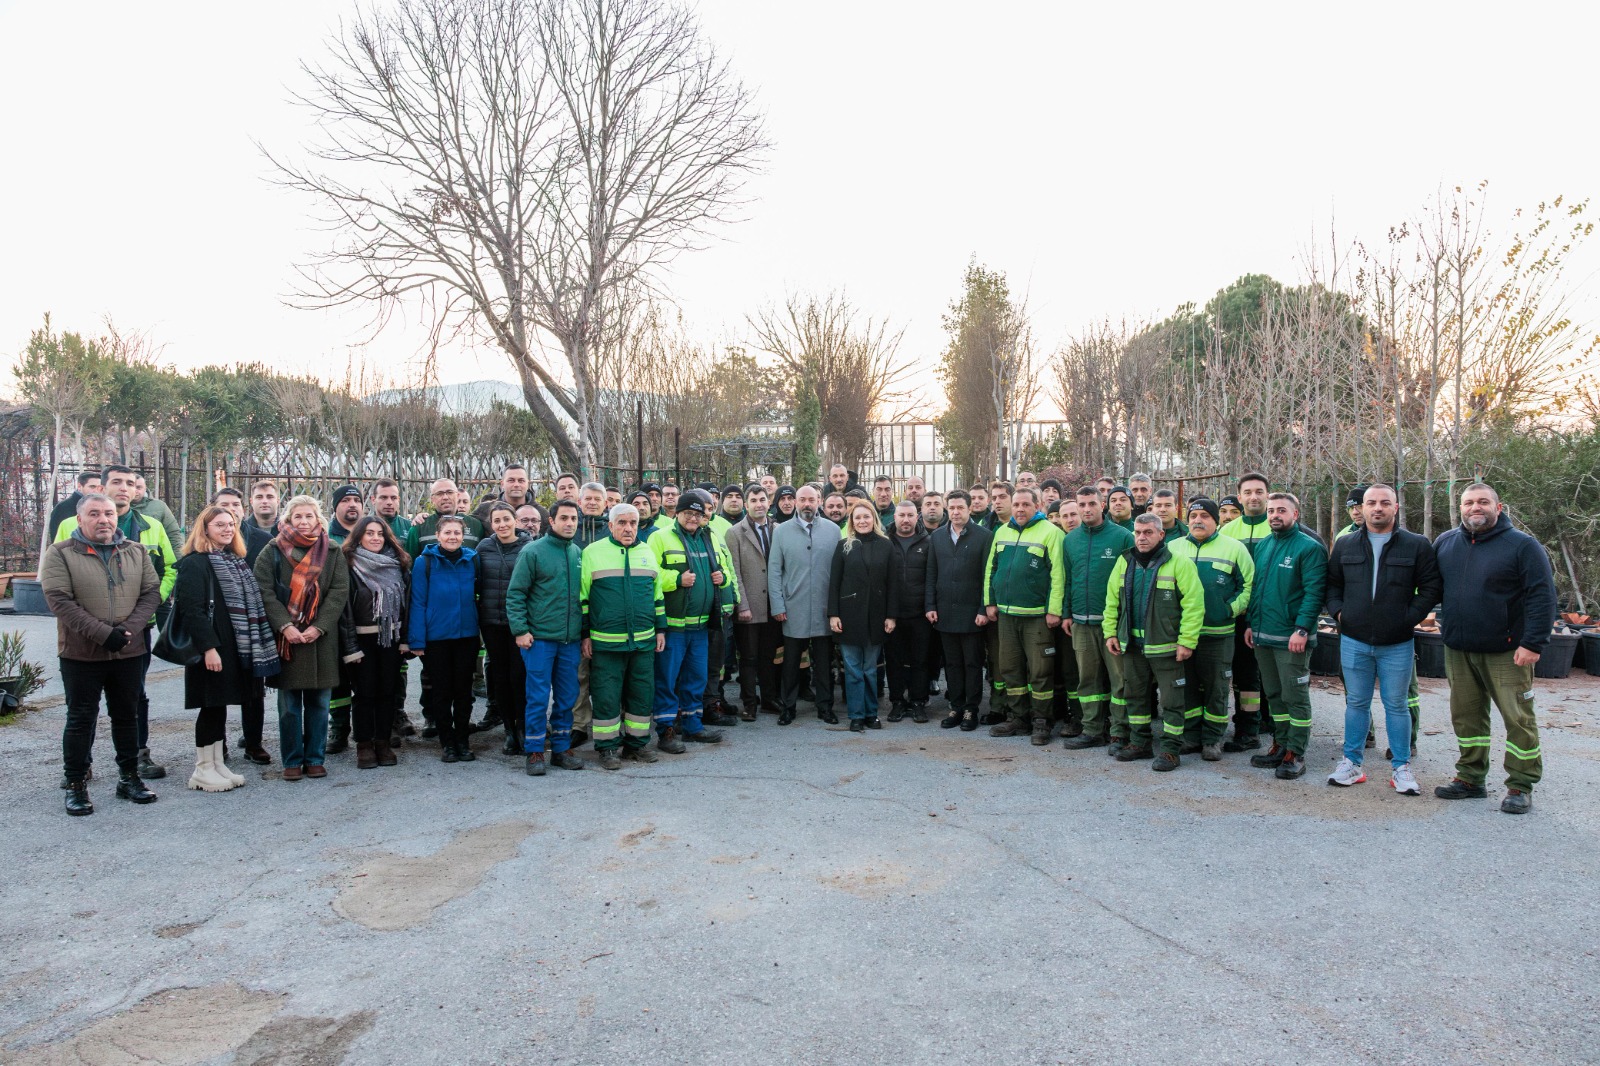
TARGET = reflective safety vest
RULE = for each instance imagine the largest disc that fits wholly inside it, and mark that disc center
(1174, 605)
(1026, 574)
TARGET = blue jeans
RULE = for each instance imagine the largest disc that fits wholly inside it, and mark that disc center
(303, 725)
(551, 665)
(860, 679)
(1389, 665)
(681, 680)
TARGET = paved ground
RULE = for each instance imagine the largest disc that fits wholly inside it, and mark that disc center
(805, 895)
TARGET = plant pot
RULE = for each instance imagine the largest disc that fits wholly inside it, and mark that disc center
(10, 698)
(1430, 654)
(1580, 654)
(27, 597)
(1556, 662)
(1325, 656)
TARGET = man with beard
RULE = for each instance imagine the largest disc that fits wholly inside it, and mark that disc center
(798, 573)
(1291, 579)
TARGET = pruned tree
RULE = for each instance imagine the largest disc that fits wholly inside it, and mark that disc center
(509, 164)
(990, 380)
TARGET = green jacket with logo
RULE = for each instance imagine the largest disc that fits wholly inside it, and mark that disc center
(542, 598)
(703, 554)
(1226, 573)
(1026, 574)
(621, 595)
(1291, 580)
(1247, 530)
(426, 532)
(1175, 605)
(1090, 555)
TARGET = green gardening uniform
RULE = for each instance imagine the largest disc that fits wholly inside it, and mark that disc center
(1090, 554)
(426, 532)
(1154, 608)
(1226, 574)
(1178, 531)
(1291, 580)
(1250, 715)
(619, 589)
(1025, 579)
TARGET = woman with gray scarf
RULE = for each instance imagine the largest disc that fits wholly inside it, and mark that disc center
(380, 596)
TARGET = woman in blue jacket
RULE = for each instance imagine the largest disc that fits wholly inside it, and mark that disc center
(443, 628)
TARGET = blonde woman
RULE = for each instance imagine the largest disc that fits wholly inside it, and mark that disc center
(862, 595)
(217, 601)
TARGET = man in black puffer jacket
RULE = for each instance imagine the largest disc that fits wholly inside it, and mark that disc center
(1499, 603)
(907, 651)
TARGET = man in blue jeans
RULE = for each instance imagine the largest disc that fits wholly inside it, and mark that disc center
(546, 618)
(1382, 581)
(697, 577)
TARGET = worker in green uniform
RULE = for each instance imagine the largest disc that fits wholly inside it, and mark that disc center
(1249, 529)
(1226, 574)
(1090, 551)
(1023, 588)
(624, 626)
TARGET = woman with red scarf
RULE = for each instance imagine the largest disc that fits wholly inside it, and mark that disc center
(304, 586)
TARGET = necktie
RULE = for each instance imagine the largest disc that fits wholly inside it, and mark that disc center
(761, 535)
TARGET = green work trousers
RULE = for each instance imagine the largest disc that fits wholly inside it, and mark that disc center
(1286, 684)
(1099, 683)
(1027, 666)
(1210, 674)
(1142, 675)
(622, 687)
(1475, 679)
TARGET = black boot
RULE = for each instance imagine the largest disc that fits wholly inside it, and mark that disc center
(339, 732)
(149, 771)
(78, 798)
(131, 788)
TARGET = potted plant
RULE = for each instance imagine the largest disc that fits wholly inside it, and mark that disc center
(19, 677)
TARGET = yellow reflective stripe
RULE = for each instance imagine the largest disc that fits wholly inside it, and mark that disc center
(1172, 730)
(1021, 612)
(1042, 693)
(1018, 690)
(1138, 719)
(1194, 712)
(1084, 698)
(1512, 749)
(603, 726)
(1300, 722)
(1221, 718)
(1118, 701)
(1473, 742)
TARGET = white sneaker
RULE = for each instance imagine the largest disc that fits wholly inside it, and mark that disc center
(1346, 774)
(1403, 782)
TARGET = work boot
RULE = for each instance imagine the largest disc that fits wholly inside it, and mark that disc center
(919, 713)
(1291, 767)
(1114, 746)
(705, 736)
(78, 798)
(1270, 758)
(994, 717)
(1084, 740)
(339, 734)
(131, 788)
(149, 771)
(403, 726)
(1460, 790)
(640, 755)
(670, 742)
(1248, 742)
(566, 760)
(1190, 747)
(429, 730)
(490, 720)
(383, 751)
(1041, 732)
(897, 712)
(1517, 802)
(513, 745)
(535, 765)
(366, 755)
(66, 782)
(1211, 753)
(610, 759)
(748, 714)
(716, 714)
(1011, 727)
(1133, 752)
(1164, 762)
(969, 720)
(830, 716)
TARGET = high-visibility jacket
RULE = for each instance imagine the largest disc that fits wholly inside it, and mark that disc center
(1090, 554)
(620, 591)
(1174, 605)
(1026, 574)
(1226, 573)
(1249, 530)
(702, 554)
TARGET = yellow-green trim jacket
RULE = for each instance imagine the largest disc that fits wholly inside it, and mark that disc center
(1175, 604)
(704, 553)
(1226, 573)
(620, 592)
(1026, 574)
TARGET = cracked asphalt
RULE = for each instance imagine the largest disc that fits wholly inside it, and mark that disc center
(805, 895)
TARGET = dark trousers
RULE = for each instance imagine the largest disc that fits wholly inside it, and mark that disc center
(210, 726)
(1250, 718)
(377, 681)
(507, 677)
(448, 700)
(122, 682)
(907, 652)
(934, 658)
(1068, 711)
(716, 653)
(143, 716)
(821, 683)
(963, 669)
(253, 713)
(759, 673)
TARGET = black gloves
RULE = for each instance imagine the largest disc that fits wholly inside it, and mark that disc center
(117, 640)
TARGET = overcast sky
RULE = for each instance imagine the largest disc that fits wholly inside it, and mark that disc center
(1111, 159)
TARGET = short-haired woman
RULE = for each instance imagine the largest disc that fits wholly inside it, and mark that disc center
(217, 602)
(304, 585)
(380, 601)
(862, 603)
(443, 626)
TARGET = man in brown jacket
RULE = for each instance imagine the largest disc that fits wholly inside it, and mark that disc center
(759, 636)
(96, 581)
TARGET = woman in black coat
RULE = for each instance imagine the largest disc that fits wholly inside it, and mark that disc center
(217, 602)
(505, 673)
(379, 604)
(862, 605)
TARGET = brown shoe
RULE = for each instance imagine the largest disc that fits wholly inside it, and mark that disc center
(366, 755)
(747, 714)
(1011, 727)
(292, 773)
(316, 771)
(383, 751)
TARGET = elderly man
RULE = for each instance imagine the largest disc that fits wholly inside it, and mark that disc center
(624, 627)
(592, 524)
(103, 590)
(1141, 489)
(698, 590)
(798, 570)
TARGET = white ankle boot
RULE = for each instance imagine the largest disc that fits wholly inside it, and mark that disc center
(221, 764)
(205, 776)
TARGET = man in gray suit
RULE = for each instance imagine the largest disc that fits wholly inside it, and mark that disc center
(798, 569)
(760, 636)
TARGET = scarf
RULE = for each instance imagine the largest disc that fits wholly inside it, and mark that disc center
(241, 598)
(380, 573)
(305, 585)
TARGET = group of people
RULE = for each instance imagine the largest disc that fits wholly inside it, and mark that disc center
(1113, 614)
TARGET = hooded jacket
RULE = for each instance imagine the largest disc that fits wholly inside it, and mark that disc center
(94, 588)
(443, 597)
(1498, 592)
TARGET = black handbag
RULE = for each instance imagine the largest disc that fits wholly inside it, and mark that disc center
(176, 644)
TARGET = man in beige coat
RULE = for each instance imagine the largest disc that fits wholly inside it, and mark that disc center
(760, 637)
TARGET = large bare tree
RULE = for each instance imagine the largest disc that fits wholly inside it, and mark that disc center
(508, 164)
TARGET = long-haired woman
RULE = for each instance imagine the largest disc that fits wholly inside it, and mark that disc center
(217, 601)
(380, 600)
(861, 609)
(304, 585)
